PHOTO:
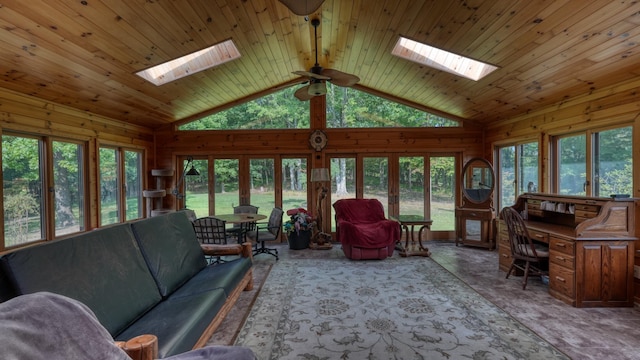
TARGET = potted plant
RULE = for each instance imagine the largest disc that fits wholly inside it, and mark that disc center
(298, 228)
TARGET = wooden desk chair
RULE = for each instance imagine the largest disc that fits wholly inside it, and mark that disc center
(527, 256)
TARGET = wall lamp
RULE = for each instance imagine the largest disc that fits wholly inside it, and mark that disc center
(185, 172)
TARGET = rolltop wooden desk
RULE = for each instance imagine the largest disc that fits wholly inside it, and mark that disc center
(591, 246)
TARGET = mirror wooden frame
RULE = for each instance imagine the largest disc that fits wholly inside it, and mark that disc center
(475, 218)
(478, 183)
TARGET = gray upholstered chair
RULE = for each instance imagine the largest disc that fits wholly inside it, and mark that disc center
(267, 232)
(239, 231)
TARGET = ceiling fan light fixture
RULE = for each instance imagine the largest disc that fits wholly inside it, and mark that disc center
(317, 88)
(302, 7)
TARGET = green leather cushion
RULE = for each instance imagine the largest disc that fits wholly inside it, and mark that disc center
(103, 269)
(170, 248)
(225, 276)
(178, 322)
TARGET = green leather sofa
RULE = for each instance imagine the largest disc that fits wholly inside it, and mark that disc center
(144, 277)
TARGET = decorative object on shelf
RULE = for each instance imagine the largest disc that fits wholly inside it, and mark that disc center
(190, 172)
(318, 140)
(302, 7)
(320, 240)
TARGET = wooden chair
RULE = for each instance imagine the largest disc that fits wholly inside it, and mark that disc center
(267, 232)
(527, 255)
(239, 231)
(211, 230)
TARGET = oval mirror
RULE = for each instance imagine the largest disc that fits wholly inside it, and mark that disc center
(477, 180)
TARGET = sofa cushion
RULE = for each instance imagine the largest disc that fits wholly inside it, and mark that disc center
(170, 248)
(225, 276)
(6, 289)
(103, 269)
(178, 322)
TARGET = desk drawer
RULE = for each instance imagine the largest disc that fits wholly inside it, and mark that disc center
(562, 259)
(566, 247)
(562, 280)
(539, 236)
(588, 208)
(533, 204)
(504, 257)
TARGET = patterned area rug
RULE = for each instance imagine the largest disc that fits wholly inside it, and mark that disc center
(399, 308)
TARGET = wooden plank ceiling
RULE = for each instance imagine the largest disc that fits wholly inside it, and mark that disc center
(85, 53)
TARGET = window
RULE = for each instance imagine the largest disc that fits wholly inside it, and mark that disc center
(120, 172)
(594, 163)
(294, 183)
(441, 59)
(29, 165)
(351, 108)
(196, 188)
(191, 63)
(346, 108)
(517, 170)
(280, 110)
(68, 187)
(24, 204)
(133, 184)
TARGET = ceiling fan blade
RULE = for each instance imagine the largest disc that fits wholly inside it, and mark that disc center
(311, 75)
(341, 78)
(302, 94)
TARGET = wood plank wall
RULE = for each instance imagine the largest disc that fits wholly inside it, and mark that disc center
(615, 105)
(29, 115)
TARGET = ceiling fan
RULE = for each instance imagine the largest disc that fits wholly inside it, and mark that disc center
(302, 7)
(318, 75)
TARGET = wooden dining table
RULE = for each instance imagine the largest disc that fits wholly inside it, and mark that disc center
(242, 219)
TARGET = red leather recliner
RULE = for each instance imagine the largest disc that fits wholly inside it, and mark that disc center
(363, 230)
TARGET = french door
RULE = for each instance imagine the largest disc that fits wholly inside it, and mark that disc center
(422, 185)
(263, 181)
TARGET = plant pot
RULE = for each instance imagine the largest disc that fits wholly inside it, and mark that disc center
(298, 241)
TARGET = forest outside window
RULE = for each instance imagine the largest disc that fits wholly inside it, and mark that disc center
(120, 185)
(594, 163)
(518, 171)
(346, 108)
(31, 164)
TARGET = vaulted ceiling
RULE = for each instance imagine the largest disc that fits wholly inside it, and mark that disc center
(85, 53)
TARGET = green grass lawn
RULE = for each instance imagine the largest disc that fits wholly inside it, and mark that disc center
(442, 213)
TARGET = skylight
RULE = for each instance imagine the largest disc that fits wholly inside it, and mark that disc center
(441, 60)
(190, 64)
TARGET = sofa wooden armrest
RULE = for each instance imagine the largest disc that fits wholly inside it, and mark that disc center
(243, 250)
(142, 347)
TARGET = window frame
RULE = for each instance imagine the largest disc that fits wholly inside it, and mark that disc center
(590, 154)
(121, 195)
(47, 187)
(517, 145)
